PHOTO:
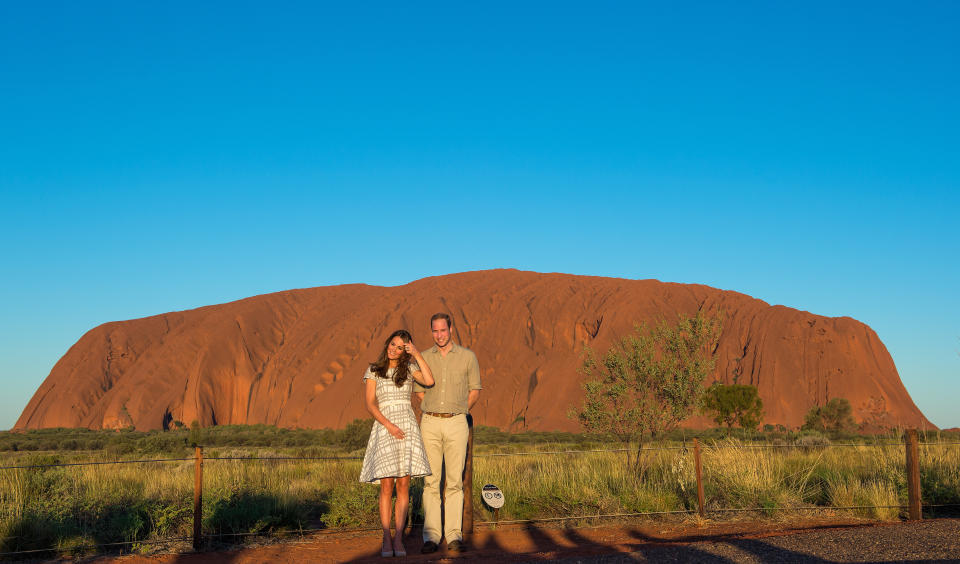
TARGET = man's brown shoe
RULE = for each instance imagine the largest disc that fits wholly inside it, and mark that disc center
(456, 546)
(429, 547)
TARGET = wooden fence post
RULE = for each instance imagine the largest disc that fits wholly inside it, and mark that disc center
(699, 471)
(913, 477)
(467, 525)
(197, 496)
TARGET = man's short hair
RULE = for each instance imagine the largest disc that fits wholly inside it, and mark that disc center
(443, 316)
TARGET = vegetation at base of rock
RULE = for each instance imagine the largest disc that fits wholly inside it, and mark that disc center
(649, 381)
(836, 416)
(180, 441)
(304, 442)
(738, 404)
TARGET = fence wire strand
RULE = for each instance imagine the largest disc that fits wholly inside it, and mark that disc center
(282, 458)
(63, 464)
(96, 546)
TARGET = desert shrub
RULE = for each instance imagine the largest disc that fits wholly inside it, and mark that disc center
(835, 417)
(649, 381)
(734, 404)
(241, 512)
(159, 443)
(355, 435)
(352, 504)
(170, 520)
(812, 439)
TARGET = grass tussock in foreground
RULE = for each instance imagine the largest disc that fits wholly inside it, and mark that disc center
(71, 508)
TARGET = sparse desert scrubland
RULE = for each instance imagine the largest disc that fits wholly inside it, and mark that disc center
(70, 508)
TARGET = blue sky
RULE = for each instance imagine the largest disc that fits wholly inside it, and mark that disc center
(163, 156)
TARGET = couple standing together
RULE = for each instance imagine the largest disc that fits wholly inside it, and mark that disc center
(446, 377)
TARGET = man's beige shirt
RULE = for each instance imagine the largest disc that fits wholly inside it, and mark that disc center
(455, 375)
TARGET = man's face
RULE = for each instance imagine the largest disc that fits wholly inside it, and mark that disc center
(441, 332)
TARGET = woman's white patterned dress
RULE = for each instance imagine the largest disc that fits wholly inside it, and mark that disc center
(387, 456)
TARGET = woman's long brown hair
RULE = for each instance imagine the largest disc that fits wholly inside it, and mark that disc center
(402, 371)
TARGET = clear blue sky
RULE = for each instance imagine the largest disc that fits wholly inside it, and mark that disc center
(167, 155)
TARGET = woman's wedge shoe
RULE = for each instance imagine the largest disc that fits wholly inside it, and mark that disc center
(402, 551)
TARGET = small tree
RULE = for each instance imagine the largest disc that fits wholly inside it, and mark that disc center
(836, 416)
(737, 403)
(648, 381)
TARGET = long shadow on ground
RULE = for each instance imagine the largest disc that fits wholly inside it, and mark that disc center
(571, 545)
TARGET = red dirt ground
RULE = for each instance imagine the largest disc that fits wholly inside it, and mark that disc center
(506, 544)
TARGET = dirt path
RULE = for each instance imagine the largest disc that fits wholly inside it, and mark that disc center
(933, 540)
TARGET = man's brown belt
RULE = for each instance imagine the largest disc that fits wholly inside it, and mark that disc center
(444, 415)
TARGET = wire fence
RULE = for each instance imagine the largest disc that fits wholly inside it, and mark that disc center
(96, 463)
(913, 507)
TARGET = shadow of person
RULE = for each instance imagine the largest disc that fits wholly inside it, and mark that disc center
(665, 549)
(655, 550)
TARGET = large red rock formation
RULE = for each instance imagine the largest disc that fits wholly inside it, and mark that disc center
(295, 358)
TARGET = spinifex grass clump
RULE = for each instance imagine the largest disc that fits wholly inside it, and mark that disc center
(940, 474)
(741, 477)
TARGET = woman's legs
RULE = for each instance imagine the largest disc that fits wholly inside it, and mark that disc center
(403, 503)
(386, 495)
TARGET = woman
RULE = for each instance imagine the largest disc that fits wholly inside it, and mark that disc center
(395, 450)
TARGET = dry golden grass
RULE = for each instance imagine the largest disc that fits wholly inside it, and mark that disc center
(93, 504)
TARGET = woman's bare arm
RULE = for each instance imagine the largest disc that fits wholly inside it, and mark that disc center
(424, 376)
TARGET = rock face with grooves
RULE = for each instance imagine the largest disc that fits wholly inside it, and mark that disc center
(296, 358)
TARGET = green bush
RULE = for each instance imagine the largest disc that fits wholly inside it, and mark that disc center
(356, 434)
(734, 404)
(350, 505)
(834, 417)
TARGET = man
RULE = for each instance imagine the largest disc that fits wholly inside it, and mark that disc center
(444, 428)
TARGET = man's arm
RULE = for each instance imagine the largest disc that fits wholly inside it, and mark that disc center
(473, 380)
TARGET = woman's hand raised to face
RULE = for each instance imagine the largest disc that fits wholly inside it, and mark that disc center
(410, 348)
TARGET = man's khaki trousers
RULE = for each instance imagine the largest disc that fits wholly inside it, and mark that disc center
(445, 439)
